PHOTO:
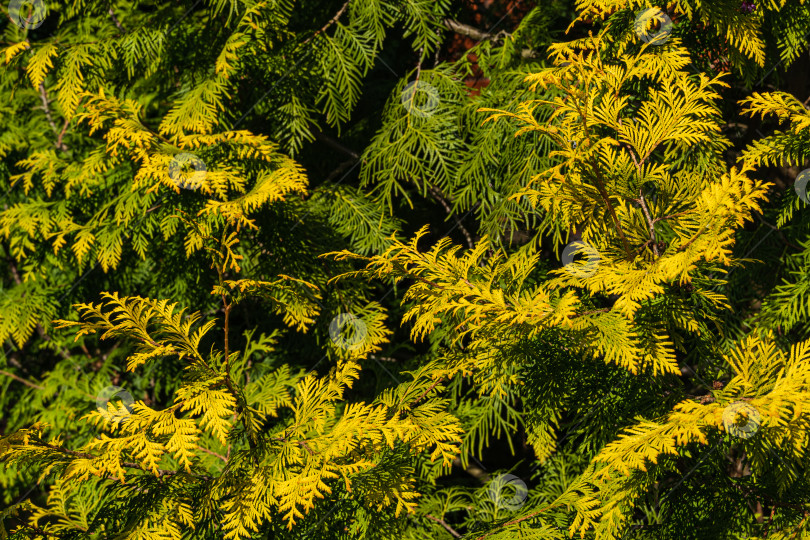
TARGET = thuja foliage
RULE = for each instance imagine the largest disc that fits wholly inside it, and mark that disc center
(323, 259)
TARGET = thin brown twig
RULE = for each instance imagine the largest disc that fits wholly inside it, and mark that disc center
(444, 524)
(650, 224)
(20, 379)
(301, 443)
(59, 142)
(228, 450)
(43, 96)
(677, 214)
(227, 307)
(438, 50)
(40, 330)
(691, 241)
(600, 181)
(768, 525)
(211, 452)
(329, 23)
(417, 277)
(337, 145)
(779, 232)
(518, 520)
(465, 30)
(591, 312)
(432, 386)
(115, 19)
(340, 168)
(436, 194)
(476, 34)
(604, 194)
(226, 327)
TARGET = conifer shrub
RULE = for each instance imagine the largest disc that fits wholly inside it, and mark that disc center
(285, 269)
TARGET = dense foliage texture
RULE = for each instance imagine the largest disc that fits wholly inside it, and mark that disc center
(405, 269)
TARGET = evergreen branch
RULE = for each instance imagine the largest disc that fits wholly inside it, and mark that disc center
(161, 472)
(600, 181)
